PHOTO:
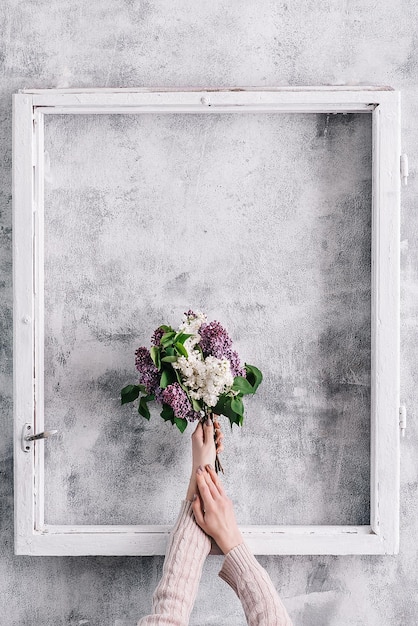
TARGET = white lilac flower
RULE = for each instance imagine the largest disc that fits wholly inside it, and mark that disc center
(206, 378)
(191, 323)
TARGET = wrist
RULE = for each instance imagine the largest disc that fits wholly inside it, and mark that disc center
(230, 542)
(192, 488)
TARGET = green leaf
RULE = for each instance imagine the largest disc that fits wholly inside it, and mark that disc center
(233, 417)
(143, 408)
(220, 403)
(167, 338)
(181, 337)
(181, 349)
(166, 329)
(196, 405)
(182, 385)
(223, 407)
(130, 393)
(167, 377)
(242, 384)
(167, 413)
(170, 352)
(254, 376)
(164, 380)
(169, 359)
(237, 406)
(181, 424)
(155, 356)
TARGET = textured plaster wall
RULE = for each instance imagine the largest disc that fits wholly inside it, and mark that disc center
(210, 212)
(208, 45)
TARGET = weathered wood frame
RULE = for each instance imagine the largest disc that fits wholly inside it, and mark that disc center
(32, 535)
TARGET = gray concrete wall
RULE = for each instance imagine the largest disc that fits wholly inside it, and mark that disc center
(250, 219)
(316, 395)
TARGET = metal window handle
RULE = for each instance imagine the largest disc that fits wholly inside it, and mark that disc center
(28, 437)
(43, 435)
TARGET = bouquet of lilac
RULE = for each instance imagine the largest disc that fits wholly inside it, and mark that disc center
(194, 373)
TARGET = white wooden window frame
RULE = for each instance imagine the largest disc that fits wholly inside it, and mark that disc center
(32, 534)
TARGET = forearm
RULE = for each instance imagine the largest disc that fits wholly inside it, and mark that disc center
(192, 488)
(250, 581)
(175, 594)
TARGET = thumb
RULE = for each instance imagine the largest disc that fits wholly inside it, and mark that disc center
(197, 510)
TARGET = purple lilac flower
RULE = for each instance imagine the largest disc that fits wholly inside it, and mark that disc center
(214, 339)
(148, 373)
(236, 368)
(159, 395)
(176, 397)
(190, 316)
(193, 416)
(156, 336)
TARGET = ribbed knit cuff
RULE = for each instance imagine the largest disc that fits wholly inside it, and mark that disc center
(237, 561)
(185, 514)
(253, 586)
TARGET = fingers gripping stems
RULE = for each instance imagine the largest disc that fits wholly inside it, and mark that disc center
(218, 436)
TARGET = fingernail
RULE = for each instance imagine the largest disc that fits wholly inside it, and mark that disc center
(194, 497)
(207, 421)
(200, 470)
(209, 466)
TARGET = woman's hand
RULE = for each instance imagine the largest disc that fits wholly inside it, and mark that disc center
(214, 511)
(203, 452)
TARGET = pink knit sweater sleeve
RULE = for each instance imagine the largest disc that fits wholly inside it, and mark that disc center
(176, 592)
(250, 581)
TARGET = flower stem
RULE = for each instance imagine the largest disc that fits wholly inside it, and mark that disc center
(218, 466)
